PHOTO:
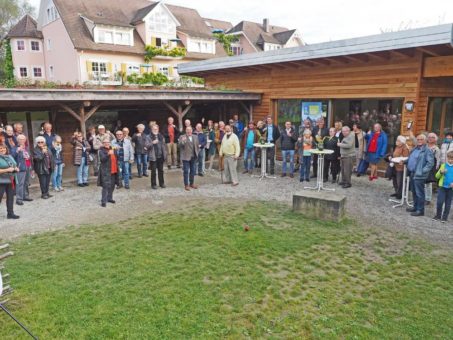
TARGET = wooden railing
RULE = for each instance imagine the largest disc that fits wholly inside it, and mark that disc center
(7, 290)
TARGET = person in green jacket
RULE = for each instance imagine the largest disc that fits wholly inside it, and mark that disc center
(8, 169)
(445, 192)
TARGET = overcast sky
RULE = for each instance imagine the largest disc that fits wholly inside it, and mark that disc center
(324, 20)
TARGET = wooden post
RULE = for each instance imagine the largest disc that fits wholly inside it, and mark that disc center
(83, 127)
(30, 132)
(82, 117)
(180, 113)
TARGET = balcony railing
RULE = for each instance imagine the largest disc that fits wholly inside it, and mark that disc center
(104, 78)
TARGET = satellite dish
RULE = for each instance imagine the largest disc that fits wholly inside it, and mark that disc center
(1, 284)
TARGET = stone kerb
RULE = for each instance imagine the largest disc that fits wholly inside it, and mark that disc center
(321, 205)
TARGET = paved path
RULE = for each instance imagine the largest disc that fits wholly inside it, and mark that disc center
(367, 203)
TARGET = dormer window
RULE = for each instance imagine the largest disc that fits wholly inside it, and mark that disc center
(52, 14)
(105, 36)
(113, 35)
(160, 21)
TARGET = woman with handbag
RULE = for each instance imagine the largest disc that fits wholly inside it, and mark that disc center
(81, 158)
(8, 168)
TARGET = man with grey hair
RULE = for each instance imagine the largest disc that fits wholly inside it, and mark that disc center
(347, 155)
(189, 153)
(140, 140)
(419, 165)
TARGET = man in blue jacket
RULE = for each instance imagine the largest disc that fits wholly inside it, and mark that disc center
(419, 165)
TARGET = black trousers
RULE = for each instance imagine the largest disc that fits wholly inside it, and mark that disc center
(333, 165)
(270, 165)
(315, 164)
(8, 189)
(398, 182)
(44, 182)
(157, 166)
(107, 189)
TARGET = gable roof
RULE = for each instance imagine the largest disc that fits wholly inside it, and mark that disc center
(25, 28)
(191, 22)
(218, 24)
(283, 37)
(142, 13)
(256, 34)
(420, 37)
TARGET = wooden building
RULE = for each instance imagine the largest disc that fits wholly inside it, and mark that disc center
(395, 77)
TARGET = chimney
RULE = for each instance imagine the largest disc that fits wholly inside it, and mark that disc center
(266, 25)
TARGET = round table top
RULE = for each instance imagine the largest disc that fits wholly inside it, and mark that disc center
(267, 145)
(322, 152)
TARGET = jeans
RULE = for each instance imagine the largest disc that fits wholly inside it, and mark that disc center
(188, 168)
(44, 181)
(249, 153)
(429, 192)
(23, 180)
(142, 162)
(82, 172)
(123, 167)
(57, 176)
(444, 199)
(200, 162)
(157, 166)
(305, 168)
(418, 192)
(285, 153)
(95, 162)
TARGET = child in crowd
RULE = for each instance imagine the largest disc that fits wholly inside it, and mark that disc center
(57, 176)
(305, 145)
(445, 192)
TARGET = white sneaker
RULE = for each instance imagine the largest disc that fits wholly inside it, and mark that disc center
(57, 189)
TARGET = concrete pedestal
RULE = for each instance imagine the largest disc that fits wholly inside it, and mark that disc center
(320, 205)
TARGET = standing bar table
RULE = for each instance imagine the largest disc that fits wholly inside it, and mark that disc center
(320, 175)
(263, 148)
(405, 195)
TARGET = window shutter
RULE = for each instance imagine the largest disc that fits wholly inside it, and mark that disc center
(153, 41)
(142, 70)
(89, 66)
(170, 71)
(154, 68)
(109, 68)
(124, 68)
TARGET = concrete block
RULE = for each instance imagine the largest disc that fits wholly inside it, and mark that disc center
(323, 205)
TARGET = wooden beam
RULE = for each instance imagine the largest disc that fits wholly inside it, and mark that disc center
(180, 113)
(92, 111)
(70, 111)
(429, 51)
(404, 53)
(383, 55)
(357, 57)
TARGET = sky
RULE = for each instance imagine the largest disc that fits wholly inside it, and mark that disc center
(326, 20)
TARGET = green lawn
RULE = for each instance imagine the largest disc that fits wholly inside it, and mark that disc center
(201, 276)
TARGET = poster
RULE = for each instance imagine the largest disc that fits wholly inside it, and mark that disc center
(312, 111)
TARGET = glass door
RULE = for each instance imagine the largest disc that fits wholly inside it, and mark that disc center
(440, 118)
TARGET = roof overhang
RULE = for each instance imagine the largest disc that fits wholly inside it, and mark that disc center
(52, 97)
(421, 37)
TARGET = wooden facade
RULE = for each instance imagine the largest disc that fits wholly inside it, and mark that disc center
(412, 74)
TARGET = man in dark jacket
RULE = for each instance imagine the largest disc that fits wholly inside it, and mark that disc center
(272, 134)
(157, 154)
(288, 139)
(419, 165)
(108, 171)
(141, 153)
(189, 154)
(318, 133)
(331, 161)
(200, 167)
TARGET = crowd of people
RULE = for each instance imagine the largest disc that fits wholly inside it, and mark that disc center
(196, 148)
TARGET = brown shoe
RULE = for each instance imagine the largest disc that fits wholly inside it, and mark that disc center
(187, 188)
(193, 186)
(245, 171)
(234, 184)
(227, 182)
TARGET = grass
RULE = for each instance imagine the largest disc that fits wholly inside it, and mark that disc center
(197, 274)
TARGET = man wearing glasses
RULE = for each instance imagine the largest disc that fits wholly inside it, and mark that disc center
(419, 165)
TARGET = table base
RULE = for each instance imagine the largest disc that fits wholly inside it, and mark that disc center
(320, 176)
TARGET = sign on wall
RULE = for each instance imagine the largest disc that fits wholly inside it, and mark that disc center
(312, 111)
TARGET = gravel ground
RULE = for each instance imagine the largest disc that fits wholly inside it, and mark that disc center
(366, 202)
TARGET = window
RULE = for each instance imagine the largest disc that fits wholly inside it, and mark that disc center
(158, 42)
(164, 70)
(105, 36)
(23, 72)
(49, 44)
(133, 69)
(99, 67)
(292, 110)
(52, 14)
(122, 38)
(440, 118)
(160, 21)
(37, 72)
(202, 46)
(51, 71)
(35, 45)
(236, 50)
(20, 45)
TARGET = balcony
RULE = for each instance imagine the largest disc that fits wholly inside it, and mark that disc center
(104, 78)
